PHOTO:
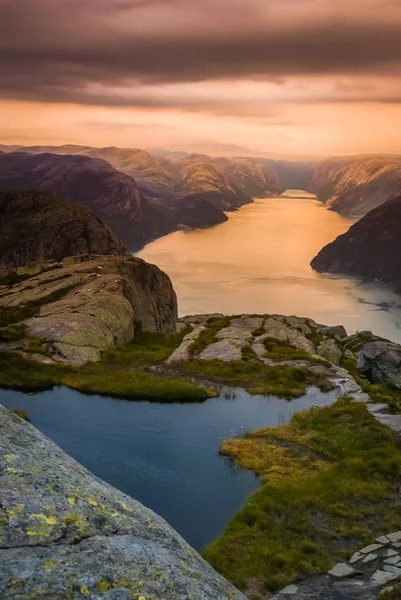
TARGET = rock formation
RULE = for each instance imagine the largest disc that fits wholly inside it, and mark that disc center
(36, 227)
(113, 196)
(66, 534)
(370, 249)
(84, 306)
(355, 185)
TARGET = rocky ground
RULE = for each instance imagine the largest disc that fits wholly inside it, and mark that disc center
(370, 572)
(76, 309)
(66, 534)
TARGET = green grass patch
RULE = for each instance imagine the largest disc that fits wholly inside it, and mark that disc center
(258, 378)
(208, 335)
(20, 412)
(14, 333)
(280, 351)
(15, 314)
(378, 393)
(248, 353)
(123, 373)
(330, 483)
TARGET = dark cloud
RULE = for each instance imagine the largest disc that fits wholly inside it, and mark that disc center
(60, 50)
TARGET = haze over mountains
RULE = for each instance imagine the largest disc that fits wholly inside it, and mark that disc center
(141, 197)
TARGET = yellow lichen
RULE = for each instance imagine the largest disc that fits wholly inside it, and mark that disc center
(141, 598)
(8, 457)
(11, 470)
(49, 565)
(103, 586)
(84, 590)
(92, 502)
(47, 520)
(16, 511)
(71, 501)
(127, 507)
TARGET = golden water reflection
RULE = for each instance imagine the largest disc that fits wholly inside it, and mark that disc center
(258, 261)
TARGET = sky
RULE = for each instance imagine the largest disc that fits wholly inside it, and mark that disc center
(297, 79)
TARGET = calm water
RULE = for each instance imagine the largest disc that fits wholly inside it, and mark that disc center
(165, 455)
(258, 261)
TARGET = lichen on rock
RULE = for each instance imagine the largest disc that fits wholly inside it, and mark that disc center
(64, 533)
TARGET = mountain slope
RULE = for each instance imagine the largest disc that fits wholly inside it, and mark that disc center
(370, 249)
(112, 195)
(355, 185)
(38, 226)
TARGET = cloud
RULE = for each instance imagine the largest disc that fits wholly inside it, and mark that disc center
(62, 50)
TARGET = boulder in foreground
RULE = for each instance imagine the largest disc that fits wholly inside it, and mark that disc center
(67, 534)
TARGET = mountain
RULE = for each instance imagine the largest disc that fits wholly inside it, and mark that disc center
(112, 195)
(355, 185)
(370, 249)
(38, 226)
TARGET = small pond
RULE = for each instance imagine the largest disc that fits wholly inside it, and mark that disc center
(164, 455)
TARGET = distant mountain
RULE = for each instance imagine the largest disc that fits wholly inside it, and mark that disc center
(38, 226)
(370, 249)
(355, 185)
(112, 195)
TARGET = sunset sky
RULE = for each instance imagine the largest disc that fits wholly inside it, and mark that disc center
(279, 78)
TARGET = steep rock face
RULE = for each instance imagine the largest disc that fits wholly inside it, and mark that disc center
(88, 306)
(355, 185)
(370, 249)
(112, 195)
(36, 227)
(253, 177)
(67, 534)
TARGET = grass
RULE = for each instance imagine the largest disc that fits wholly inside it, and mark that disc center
(280, 351)
(378, 393)
(10, 315)
(208, 335)
(14, 333)
(330, 484)
(15, 277)
(282, 381)
(394, 594)
(20, 413)
(122, 373)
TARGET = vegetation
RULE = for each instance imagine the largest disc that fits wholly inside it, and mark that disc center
(208, 335)
(330, 484)
(122, 373)
(15, 314)
(256, 377)
(280, 351)
(392, 594)
(20, 413)
(13, 333)
(18, 277)
(379, 393)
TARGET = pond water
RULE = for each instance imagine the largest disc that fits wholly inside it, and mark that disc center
(164, 455)
(258, 262)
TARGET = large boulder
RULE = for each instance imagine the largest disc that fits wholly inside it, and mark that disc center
(93, 305)
(329, 350)
(67, 534)
(380, 362)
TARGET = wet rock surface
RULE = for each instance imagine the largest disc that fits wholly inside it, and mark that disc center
(66, 534)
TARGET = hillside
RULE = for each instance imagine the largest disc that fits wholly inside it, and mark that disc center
(355, 185)
(112, 195)
(38, 226)
(370, 249)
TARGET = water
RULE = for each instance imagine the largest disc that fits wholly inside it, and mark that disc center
(164, 455)
(258, 262)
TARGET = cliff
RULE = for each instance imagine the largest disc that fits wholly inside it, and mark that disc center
(78, 308)
(66, 534)
(112, 195)
(36, 227)
(370, 249)
(355, 185)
